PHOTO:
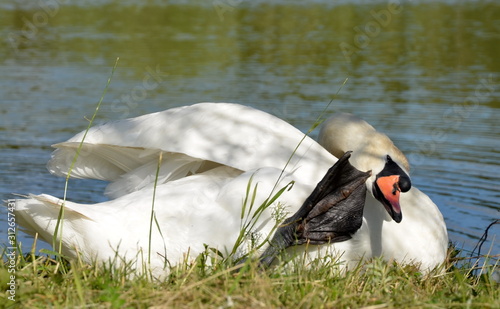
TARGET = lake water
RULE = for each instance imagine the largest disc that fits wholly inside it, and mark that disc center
(425, 73)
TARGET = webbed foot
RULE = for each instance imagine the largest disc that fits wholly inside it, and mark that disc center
(332, 213)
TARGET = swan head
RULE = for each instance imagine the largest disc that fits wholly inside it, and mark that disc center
(371, 150)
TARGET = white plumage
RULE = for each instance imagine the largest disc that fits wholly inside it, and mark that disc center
(210, 153)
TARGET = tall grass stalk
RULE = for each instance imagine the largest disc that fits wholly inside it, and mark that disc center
(249, 218)
(153, 215)
(59, 226)
(316, 123)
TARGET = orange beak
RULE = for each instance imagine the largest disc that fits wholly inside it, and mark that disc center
(388, 193)
(388, 185)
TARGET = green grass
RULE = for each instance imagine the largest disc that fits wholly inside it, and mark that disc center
(44, 281)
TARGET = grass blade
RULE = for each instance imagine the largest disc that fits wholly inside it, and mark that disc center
(59, 227)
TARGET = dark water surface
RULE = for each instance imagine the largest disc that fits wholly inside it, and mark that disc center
(427, 74)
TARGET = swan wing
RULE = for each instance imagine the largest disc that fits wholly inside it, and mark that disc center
(228, 134)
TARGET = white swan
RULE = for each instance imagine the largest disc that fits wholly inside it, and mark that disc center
(210, 152)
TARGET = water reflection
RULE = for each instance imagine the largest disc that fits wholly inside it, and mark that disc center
(411, 77)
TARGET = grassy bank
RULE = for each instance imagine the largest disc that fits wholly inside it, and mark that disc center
(44, 282)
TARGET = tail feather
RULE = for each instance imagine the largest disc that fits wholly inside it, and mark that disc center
(40, 213)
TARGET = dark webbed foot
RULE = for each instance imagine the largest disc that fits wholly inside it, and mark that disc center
(332, 213)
